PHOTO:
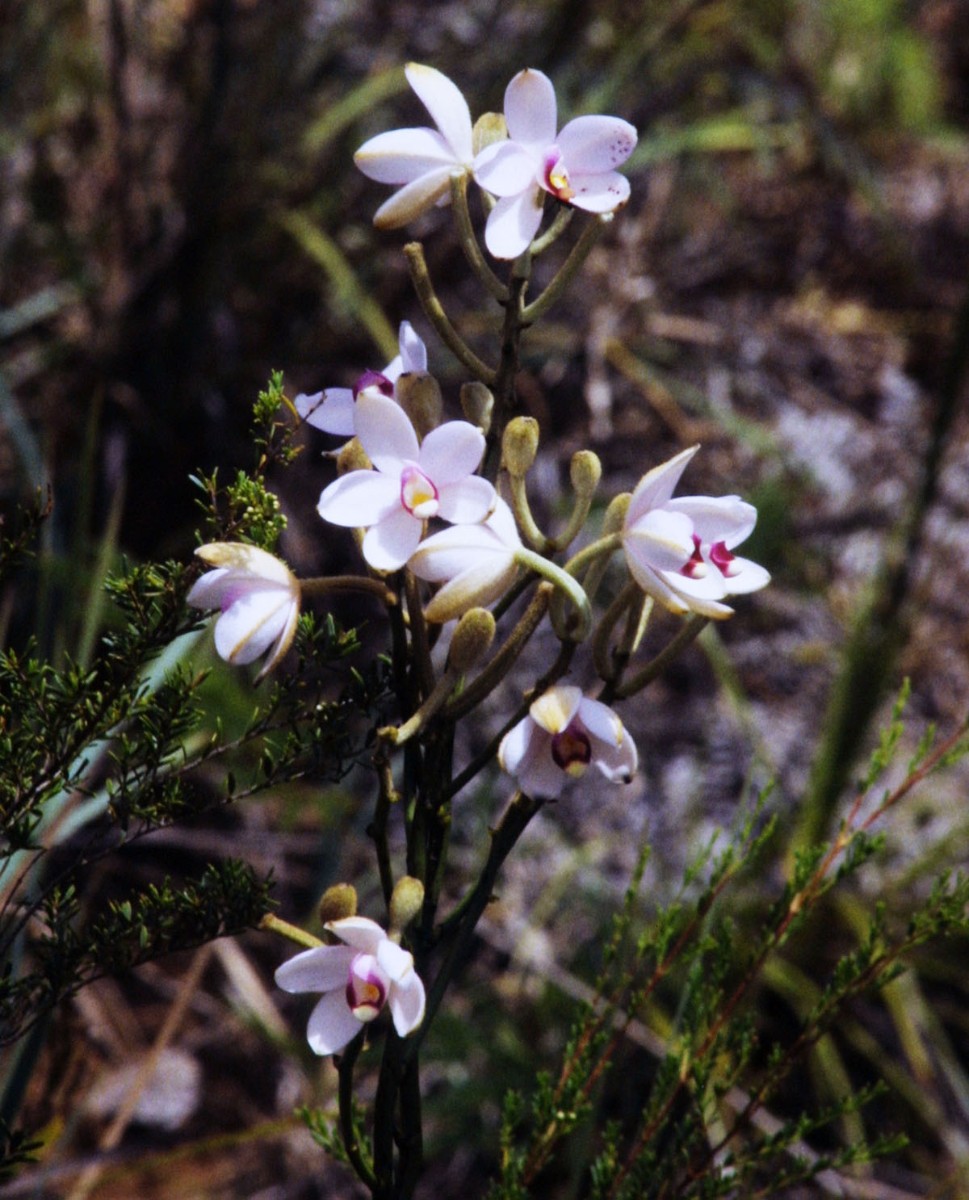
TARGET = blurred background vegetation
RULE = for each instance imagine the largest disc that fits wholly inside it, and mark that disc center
(179, 215)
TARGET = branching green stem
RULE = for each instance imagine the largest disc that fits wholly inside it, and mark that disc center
(568, 270)
(564, 582)
(504, 659)
(312, 589)
(690, 630)
(469, 240)
(434, 311)
(275, 924)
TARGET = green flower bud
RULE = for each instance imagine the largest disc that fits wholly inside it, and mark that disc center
(352, 457)
(472, 638)
(405, 903)
(616, 513)
(489, 128)
(419, 395)
(337, 902)
(519, 446)
(586, 471)
(477, 403)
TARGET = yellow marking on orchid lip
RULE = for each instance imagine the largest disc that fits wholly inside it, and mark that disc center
(417, 493)
(559, 183)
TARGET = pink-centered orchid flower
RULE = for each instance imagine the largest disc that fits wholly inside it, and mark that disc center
(259, 598)
(422, 160)
(475, 563)
(681, 551)
(332, 410)
(411, 482)
(577, 165)
(357, 980)
(563, 735)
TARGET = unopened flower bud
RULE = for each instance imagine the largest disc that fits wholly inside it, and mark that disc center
(419, 395)
(586, 471)
(616, 513)
(519, 446)
(472, 638)
(405, 903)
(477, 403)
(489, 128)
(352, 457)
(337, 902)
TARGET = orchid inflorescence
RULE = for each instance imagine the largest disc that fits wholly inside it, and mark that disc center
(444, 525)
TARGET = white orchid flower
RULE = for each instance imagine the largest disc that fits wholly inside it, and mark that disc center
(332, 410)
(357, 979)
(259, 598)
(681, 551)
(577, 165)
(475, 563)
(411, 482)
(422, 160)
(564, 734)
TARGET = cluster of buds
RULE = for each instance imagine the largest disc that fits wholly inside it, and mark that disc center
(444, 524)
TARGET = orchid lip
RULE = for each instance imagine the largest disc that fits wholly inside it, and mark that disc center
(373, 379)
(571, 750)
(418, 494)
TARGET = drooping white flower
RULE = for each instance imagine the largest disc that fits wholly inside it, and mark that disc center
(259, 598)
(476, 563)
(332, 410)
(421, 159)
(680, 551)
(564, 734)
(357, 979)
(577, 165)
(411, 482)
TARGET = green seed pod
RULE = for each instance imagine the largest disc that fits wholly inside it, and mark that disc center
(419, 395)
(519, 446)
(405, 903)
(472, 638)
(586, 471)
(477, 403)
(337, 902)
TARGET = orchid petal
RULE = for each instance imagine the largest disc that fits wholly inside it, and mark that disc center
(599, 193)
(406, 1002)
(447, 106)
(601, 721)
(318, 970)
(247, 628)
(413, 199)
(530, 110)
(413, 352)
(594, 145)
(726, 519)
(661, 539)
(397, 962)
(331, 410)
(404, 155)
(451, 452)
(540, 776)
(513, 222)
(468, 501)
(745, 577)
(331, 1025)
(392, 540)
(478, 587)
(554, 710)
(385, 432)
(505, 168)
(359, 498)
(617, 763)
(657, 486)
(359, 932)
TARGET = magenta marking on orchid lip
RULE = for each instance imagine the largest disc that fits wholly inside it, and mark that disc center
(366, 993)
(373, 379)
(694, 567)
(418, 493)
(571, 750)
(557, 175)
(723, 560)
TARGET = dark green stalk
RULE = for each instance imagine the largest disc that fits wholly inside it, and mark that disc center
(348, 1125)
